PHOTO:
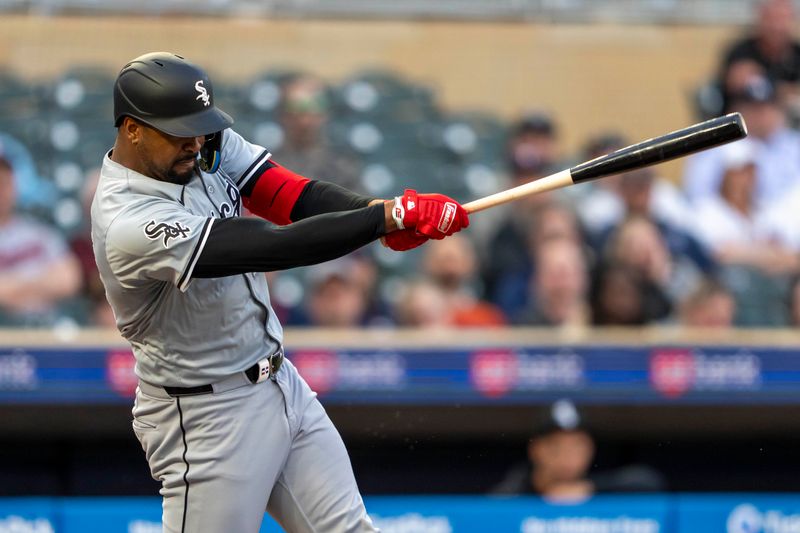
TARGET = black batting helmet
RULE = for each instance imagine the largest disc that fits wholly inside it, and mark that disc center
(165, 91)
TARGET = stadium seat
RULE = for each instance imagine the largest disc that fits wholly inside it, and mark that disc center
(761, 300)
(84, 91)
(381, 93)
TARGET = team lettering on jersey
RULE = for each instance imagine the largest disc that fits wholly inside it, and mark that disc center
(154, 231)
(236, 200)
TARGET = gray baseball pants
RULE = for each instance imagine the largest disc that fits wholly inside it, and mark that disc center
(223, 458)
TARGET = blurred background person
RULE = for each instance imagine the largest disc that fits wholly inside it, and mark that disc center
(637, 192)
(341, 294)
(549, 220)
(558, 287)
(770, 50)
(306, 149)
(777, 148)
(711, 305)
(731, 224)
(605, 203)
(37, 270)
(622, 296)
(451, 265)
(642, 194)
(560, 453)
(532, 152)
(638, 244)
(422, 304)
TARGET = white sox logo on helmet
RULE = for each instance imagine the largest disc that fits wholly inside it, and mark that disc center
(203, 93)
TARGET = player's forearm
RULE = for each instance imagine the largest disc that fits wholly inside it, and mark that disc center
(320, 197)
(238, 245)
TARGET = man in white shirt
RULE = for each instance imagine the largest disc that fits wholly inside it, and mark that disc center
(778, 157)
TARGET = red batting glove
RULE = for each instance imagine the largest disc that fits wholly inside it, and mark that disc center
(404, 239)
(433, 215)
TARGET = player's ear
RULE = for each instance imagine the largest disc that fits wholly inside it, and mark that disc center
(132, 130)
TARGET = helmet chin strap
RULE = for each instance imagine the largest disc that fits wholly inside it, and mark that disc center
(210, 153)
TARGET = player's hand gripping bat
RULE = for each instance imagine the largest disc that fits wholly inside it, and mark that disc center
(702, 136)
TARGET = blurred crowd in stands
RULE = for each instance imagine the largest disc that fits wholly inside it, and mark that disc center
(720, 248)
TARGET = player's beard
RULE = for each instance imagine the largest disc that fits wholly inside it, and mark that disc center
(170, 174)
(182, 178)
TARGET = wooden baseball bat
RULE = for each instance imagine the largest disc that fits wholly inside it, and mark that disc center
(680, 143)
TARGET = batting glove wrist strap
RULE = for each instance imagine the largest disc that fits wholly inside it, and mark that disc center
(405, 212)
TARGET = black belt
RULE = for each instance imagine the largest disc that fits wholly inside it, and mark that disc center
(266, 368)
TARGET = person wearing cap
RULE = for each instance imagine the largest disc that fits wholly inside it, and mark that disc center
(560, 453)
(228, 426)
(777, 157)
(770, 50)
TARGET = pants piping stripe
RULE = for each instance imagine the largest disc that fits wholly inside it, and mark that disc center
(186, 472)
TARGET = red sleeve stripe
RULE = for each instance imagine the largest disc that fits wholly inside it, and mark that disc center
(275, 193)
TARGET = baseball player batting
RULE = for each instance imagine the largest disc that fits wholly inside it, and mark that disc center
(228, 426)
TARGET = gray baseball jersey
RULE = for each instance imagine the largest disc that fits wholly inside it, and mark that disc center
(147, 237)
(222, 458)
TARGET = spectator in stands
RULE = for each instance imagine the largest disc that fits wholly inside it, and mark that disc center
(451, 265)
(422, 304)
(605, 203)
(100, 313)
(732, 225)
(304, 113)
(777, 155)
(340, 295)
(37, 270)
(559, 286)
(622, 296)
(532, 153)
(533, 150)
(560, 453)
(638, 244)
(771, 50)
(548, 221)
(711, 305)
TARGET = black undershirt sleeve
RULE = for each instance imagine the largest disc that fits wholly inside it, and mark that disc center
(324, 197)
(244, 244)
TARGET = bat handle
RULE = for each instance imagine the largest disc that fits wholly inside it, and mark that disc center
(548, 183)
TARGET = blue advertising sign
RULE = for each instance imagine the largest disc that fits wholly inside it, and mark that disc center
(609, 374)
(123, 515)
(603, 514)
(28, 515)
(681, 513)
(738, 513)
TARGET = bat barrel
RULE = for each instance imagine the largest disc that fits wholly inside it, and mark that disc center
(702, 136)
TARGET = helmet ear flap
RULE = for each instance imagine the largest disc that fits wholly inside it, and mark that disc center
(210, 153)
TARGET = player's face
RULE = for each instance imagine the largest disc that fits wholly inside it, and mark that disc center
(564, 455)
(168, 158)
